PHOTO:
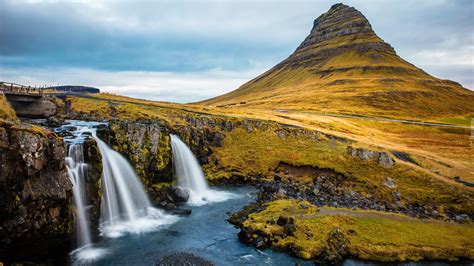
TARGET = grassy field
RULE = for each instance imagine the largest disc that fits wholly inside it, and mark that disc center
(260, 151)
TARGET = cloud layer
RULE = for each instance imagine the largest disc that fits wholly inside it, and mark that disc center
(185, 51)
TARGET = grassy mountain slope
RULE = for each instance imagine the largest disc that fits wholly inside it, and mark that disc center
(344, 67)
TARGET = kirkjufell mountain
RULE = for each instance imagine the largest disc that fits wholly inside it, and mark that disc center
(344, 67)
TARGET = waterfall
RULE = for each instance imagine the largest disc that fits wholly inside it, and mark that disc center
(124, 197)
(76, 172)
(189, 175)
(187, 168)
(125, 207)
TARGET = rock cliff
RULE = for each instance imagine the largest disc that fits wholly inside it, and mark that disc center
(34, 188)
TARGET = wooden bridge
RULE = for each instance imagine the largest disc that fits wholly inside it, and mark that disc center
(16, 89)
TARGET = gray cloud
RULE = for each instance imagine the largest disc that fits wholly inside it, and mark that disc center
(198, 37)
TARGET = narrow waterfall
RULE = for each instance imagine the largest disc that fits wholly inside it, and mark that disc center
(187, 168)
(77, 169)
(76, 172)
(189, 175)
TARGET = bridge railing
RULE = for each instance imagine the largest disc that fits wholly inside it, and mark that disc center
(13, 88)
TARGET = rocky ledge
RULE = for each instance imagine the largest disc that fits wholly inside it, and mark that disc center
(34, 188)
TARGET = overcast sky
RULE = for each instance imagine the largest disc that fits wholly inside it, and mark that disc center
(186, 51)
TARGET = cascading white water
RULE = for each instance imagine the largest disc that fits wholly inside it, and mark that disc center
(187, 168)
(76, 172)
(77, 169)
(125, 207)
(124, 197)
(189, 175)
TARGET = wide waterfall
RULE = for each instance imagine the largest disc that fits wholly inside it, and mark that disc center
(125, 207)
(124, 197)
(190, 175)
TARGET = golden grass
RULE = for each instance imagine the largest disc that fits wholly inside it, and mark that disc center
(6, 111)
(442, 152)
(352, 92)
(369, 234)
(259, 152)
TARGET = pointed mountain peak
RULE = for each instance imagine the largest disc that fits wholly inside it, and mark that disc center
(342, 66)
(338, 5)
(341, 29)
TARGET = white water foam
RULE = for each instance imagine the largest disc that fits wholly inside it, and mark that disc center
(87, 254)
(153, 220)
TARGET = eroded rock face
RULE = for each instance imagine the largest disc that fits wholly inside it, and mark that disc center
(35, 191)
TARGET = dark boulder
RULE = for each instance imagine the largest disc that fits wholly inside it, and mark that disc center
(283, 220)
(181, 194)
(245, 235)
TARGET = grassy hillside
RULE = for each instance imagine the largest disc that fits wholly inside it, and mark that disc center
(441, 152)
(344, 67)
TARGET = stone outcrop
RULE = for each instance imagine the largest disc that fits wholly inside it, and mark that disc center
(34, 187)
(146, 144)
(382, 158)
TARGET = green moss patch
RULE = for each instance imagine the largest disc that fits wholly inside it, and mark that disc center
(363, 234)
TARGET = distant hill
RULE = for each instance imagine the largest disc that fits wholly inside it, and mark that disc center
(344, 67)
(75, 89)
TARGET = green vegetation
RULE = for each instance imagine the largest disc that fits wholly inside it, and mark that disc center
(363, 234)
(462, 121)
(259, 152)
(6, 111)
